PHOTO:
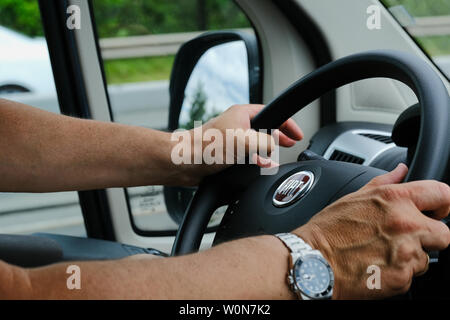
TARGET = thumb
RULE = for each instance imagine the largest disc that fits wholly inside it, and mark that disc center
(395, 176)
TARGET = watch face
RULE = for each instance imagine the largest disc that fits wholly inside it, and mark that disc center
(313, 277)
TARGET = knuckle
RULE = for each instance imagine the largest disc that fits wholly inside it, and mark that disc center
(442, 235)
(405, 252)
(384, 192)
(233, 108)
(399, 223)
(444, 191)
(390, 193)
(237, 107)
(376, 181)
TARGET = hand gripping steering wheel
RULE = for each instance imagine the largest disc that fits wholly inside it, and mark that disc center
(257, 205)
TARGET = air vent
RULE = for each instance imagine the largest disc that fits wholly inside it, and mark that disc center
(346, 157)
(378, 137)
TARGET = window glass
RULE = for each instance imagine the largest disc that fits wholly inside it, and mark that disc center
(26, 76)
(428, 22)
(138, 41)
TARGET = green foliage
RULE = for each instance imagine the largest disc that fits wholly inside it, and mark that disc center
(197, 111)
(119, 18)
(435, 45)
(21, 16)
(420, 8)
(138, 70)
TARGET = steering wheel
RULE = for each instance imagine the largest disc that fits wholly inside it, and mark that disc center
(268, 204)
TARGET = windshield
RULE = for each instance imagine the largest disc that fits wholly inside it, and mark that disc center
(428, 23)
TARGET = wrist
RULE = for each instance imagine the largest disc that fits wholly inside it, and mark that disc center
(313, 236)
(187, 157)
(170, 154)
(280, 255)
(193, 168)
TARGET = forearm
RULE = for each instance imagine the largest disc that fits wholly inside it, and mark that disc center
(44, 152)
(15, 282)
(253, 268)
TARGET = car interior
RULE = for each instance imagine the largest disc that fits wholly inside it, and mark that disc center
(366, 99)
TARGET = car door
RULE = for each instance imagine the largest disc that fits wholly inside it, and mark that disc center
(126, 52)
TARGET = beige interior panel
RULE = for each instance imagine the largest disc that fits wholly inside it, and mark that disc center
(344, 24)
(286, 59)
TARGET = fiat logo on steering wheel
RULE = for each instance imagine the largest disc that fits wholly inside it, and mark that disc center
(293, 188)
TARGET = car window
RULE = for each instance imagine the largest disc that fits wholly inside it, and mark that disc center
(26, 76)
(428, 22)
(138, 41)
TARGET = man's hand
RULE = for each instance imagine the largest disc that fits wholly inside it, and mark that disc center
(381, 224)
(237, 118)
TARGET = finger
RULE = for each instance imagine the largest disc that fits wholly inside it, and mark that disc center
(422, 263)
(437, 235)
(266, 144)
(257, 142)
(428, 195)
(289, 128)
(395, 176)
(282, 139)
(292, 130)
(253, 109)
(264, 162)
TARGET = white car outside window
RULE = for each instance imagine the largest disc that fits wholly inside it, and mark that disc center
(25, 64)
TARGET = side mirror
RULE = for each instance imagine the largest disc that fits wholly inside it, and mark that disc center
(210, 74)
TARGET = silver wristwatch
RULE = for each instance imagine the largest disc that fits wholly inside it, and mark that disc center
(310, 275)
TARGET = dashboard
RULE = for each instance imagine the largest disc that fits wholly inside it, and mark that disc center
(362, 143)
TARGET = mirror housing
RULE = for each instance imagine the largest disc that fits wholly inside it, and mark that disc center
(190, 54)
(187, 58)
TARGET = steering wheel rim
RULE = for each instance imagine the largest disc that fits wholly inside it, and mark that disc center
(407, 68)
